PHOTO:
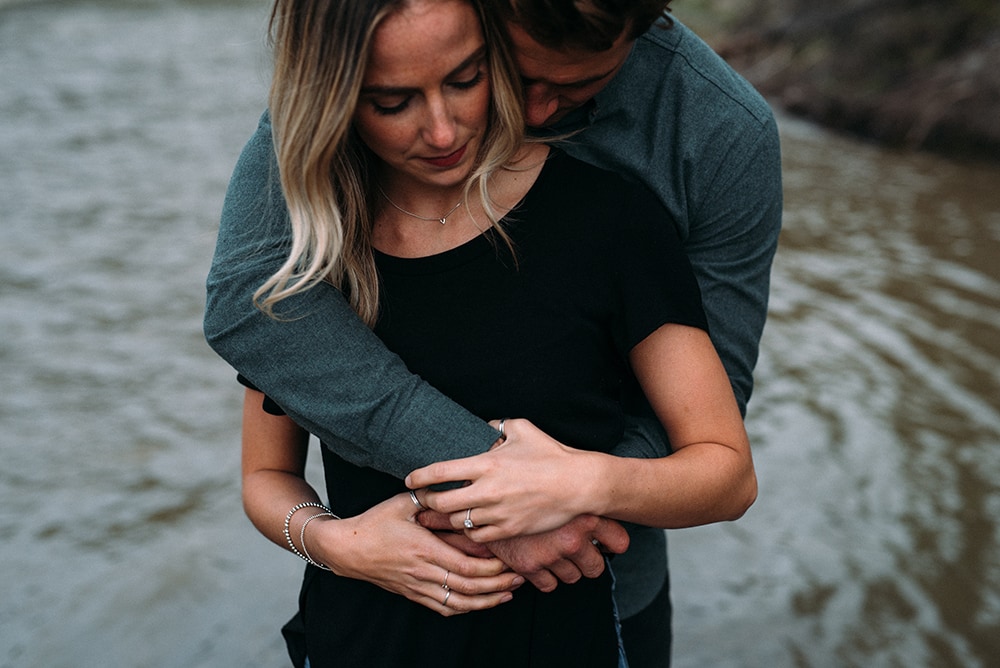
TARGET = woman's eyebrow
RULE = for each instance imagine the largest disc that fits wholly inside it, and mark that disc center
(402, 90)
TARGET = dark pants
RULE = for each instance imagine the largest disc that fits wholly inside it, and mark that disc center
(647, 635)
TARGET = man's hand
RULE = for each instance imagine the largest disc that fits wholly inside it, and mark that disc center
(565, 554)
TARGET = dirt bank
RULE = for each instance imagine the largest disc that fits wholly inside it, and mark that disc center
(916, 73)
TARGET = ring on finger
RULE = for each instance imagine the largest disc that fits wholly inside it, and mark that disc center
(447, 595)
(503, 434)
(468, 519)
(416, 501)
(445, 585)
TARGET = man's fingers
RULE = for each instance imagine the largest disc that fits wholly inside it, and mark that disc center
(589, 561)
(462, 543)
(566, 571)
(611, 535)
(543, 580)
(433, 520)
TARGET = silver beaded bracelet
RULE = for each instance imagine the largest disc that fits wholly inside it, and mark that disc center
(288, 535)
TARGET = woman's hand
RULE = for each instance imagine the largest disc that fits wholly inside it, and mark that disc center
(385, 546)
(528, 484)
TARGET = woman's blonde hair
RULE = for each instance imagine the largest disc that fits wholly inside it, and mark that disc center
(328, 175)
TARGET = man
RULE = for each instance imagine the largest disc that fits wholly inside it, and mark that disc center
(646, 99)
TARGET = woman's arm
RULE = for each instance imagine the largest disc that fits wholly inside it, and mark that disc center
(532, 483)
(383, 545)
(710, 475)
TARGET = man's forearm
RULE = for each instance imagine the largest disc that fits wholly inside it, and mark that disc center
(319, 362)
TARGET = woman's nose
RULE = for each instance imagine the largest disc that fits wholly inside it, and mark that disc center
(440, 129)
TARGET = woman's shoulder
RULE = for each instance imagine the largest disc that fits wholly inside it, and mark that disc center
(581, 187)
(585, 178)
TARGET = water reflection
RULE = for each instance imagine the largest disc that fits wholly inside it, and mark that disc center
(876, 422)
(876, 417)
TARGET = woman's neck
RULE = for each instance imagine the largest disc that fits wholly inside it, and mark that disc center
(417, 220)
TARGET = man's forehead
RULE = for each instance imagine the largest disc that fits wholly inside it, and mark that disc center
(573, 67)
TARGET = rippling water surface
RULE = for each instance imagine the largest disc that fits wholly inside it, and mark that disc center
(876, 418)
(876, 424)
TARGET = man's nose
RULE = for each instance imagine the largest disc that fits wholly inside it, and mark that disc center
(540, 103)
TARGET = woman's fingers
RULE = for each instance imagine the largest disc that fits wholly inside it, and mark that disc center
(387, 547)
(449, 603)
(497, 584)
(467, 468)
(470, 468)
(530, 484)
(456, 593)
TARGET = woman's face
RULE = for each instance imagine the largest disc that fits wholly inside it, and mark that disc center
(426, 93)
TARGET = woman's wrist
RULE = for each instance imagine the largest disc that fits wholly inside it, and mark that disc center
(586, 483)
(321, 517)
(312, 511)
(600, 484)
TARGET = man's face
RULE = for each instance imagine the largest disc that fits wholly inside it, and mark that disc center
(558, 81)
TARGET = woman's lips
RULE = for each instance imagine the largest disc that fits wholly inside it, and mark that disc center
(449, 160)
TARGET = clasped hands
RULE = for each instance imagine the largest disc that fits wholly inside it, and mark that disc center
(529, 507)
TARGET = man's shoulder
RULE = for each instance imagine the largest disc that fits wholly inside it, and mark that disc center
(676, 66)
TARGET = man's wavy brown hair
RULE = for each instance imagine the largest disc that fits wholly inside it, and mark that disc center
(589, 25)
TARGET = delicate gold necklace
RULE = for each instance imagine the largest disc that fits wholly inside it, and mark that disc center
(441, 219)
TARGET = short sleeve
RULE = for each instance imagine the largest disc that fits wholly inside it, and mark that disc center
(654, 277)
(269, 406)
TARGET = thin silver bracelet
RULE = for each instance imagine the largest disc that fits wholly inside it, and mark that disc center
(302, 539)
(288, 519)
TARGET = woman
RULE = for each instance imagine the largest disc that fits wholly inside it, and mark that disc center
(399, 138)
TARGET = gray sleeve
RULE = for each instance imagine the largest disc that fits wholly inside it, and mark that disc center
(732, 241)
(319, 362)
(644, 438)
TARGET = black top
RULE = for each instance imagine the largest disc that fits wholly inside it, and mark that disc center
(545, 335)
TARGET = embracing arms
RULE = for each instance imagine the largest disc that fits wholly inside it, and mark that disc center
(334, 377)
(320, 363)
(709, 478)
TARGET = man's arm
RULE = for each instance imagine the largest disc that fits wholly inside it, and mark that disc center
(731, 242)
(320, 363)
(733, 236)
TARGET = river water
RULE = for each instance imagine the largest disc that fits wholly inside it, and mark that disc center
(876, 418)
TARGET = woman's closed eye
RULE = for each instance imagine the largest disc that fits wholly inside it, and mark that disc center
(389, 101)
(389, 105)
(470, 82)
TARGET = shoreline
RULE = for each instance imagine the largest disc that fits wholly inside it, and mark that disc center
(924, 77)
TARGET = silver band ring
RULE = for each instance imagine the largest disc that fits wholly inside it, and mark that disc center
(468, 519)
(445, 585)
(447, 595)
(416, 501)
(503, 434)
